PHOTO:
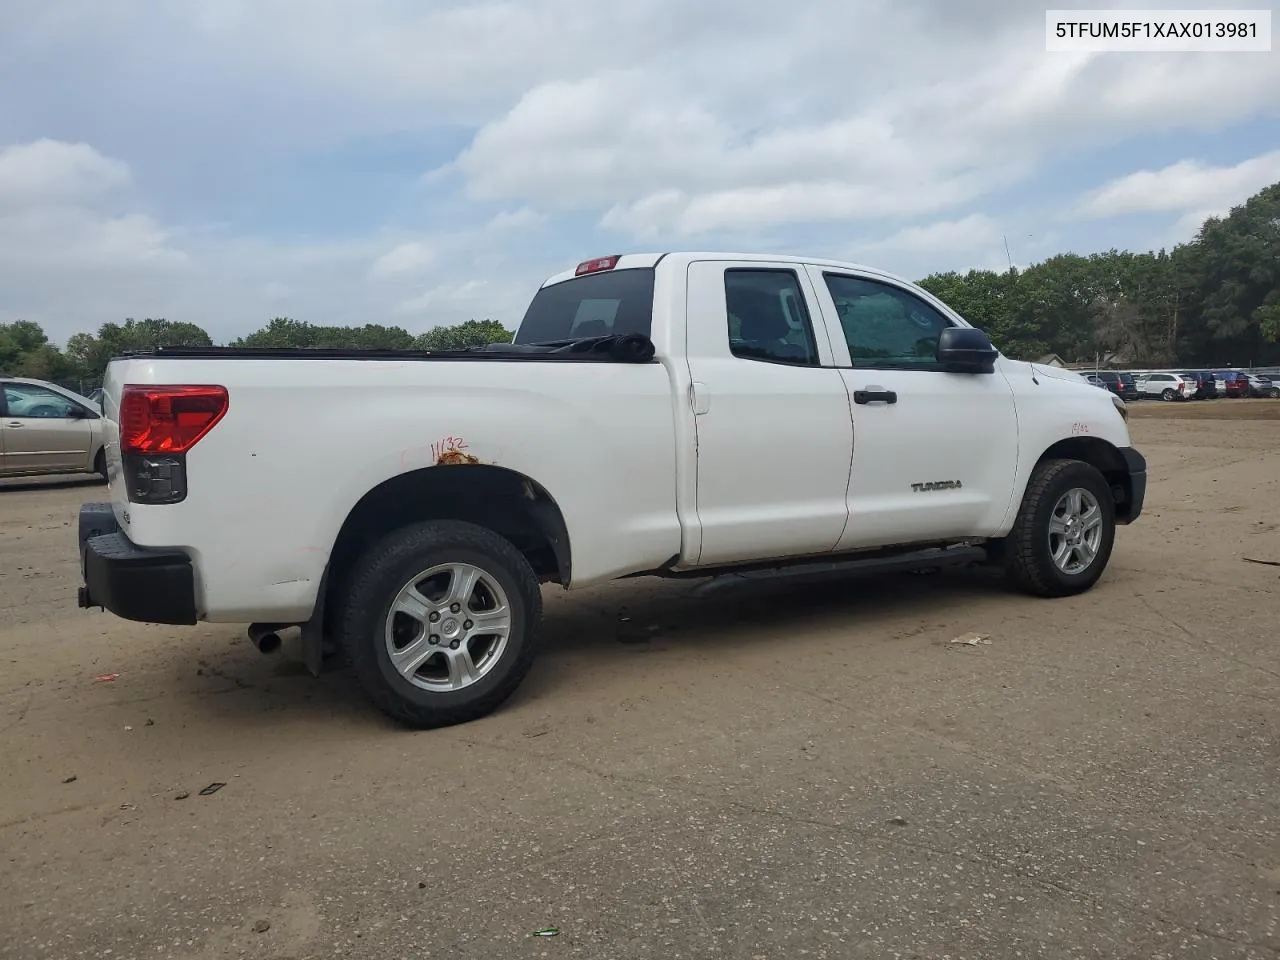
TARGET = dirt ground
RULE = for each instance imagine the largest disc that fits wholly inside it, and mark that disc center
(772, 771)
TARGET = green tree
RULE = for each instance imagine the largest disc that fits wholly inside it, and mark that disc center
(24, 347)
(26, 335)
(285, 332)
(1234, 263)
(89, 355)
(46, 362)
(472, 333)
(10, 355)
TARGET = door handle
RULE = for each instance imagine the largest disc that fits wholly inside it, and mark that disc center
(874, 395)
(14, 423)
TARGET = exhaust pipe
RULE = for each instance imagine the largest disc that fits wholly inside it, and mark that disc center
(264, 636)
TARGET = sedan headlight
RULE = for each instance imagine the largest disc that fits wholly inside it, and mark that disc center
(1121, 406)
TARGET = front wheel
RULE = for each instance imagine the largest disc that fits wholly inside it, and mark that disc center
(440, 622)
(1062, 538)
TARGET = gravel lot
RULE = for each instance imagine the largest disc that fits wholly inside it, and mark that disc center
(773, 771)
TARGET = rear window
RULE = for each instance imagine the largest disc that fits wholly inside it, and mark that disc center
(614, 302)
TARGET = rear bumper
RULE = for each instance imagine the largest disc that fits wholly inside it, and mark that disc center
(1136, 464)
(134, 583)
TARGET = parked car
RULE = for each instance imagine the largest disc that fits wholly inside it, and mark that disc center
(1260, 386)
(703, 426)
(47, 429)
(1167, 386)
(1232, 383)
(1206, 387)
(1121, 384)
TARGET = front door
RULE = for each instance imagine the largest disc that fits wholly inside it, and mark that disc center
(935, 453)
(771, 414)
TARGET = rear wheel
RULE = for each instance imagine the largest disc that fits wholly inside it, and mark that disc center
(1168, 394)
(440, 622)
(100, 464)
(1062, 538)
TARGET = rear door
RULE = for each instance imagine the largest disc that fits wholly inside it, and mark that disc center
(771, 413)
(935, 453)
(44, 431)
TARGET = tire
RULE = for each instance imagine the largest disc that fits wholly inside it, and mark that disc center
(434, 693)
(1167, 394)
(1275, 393)
(1029, 555)
(100, 464)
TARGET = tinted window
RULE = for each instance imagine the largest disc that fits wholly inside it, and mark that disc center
(767, 317)
(885, 326)
(25, 401)
(596, 305)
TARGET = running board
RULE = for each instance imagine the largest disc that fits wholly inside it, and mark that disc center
(932, 558)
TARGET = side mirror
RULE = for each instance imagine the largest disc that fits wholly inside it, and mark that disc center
(966, 350)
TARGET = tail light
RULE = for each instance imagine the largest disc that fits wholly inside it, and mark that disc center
(1182, 386)
(596, 265)
(158, 427)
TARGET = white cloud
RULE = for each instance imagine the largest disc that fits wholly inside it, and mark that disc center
(49, 171)
(666, 159)
(468, 291)
(1188, 186)
(508, 220)
(62, 210)
(407, 259)
(944, 236)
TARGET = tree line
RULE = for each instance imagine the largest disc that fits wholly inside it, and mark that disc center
(1213, 301)
(25, 349)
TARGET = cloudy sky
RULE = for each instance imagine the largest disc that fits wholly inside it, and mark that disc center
(426, 161)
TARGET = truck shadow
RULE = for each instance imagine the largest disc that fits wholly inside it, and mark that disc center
(701, 613)
(584, 633)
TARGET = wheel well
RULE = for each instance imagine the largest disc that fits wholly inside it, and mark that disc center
(1106, 459)
(504, 501)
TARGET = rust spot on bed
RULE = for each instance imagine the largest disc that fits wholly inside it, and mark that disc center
(451, 451)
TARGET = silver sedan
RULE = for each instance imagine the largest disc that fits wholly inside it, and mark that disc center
(45, 428)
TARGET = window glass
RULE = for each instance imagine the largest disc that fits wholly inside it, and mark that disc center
(612, 302)
(885, 326)
(25, 401)
(767, 316)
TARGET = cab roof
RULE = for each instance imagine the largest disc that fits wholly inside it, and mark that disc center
(632, 261)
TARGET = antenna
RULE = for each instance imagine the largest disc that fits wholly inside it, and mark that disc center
(1006, 250)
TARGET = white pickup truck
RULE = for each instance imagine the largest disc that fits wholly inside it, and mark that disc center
(680, 414)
